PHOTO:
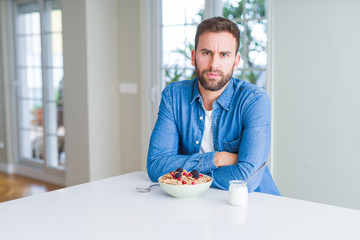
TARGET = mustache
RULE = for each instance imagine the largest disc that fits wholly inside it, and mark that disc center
(212, 71)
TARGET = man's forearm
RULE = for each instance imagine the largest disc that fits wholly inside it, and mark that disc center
(223, 175)
(159, 164)
(225, 159)
(165, 163)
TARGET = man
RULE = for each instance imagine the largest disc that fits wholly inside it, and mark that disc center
(215, 124)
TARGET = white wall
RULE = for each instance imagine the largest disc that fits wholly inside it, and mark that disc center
(6, 124)
(130, 71)
(103, 48)
(90, 90)
(103, 64)
(76, 113)
(2, 98)
(316, 100)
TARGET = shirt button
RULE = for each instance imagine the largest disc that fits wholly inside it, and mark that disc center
(201, 117)
(197, 142)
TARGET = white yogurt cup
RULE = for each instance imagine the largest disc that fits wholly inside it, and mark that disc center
(238, 193)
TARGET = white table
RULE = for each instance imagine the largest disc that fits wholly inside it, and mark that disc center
(113, 209)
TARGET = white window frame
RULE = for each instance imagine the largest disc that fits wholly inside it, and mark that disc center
(24, 166)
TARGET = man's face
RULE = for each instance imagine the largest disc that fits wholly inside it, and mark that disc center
(215, 59)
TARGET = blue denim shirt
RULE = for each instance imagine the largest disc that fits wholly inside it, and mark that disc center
(240, 124)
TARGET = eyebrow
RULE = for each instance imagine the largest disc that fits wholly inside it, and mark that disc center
(207, 50)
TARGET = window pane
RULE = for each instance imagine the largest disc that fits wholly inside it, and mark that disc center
(26, 151)
(255, 8)
(182, 12)
(55, 136)
(261, 80)
(28, 18)
(31, 119)
(29, 50)
(232, 9)
(189, 44)
(178, 41)
(55, 82)
(241, 47)
(174, 74)
(256, 77)
(56, 150)
(173, 12)
(238, 74)
(194, 11)
(257, 42)
(38, 112)
(55, 132)
(56, 21)
(174, 46)
(31, 114)
(30, 83)
(190, 73)
(54, 49)
(53, 12)
(32, 145)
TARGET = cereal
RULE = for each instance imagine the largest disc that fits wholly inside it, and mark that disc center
(183, 177)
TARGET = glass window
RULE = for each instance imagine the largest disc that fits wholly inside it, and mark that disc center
(39, 65)
(178, 28)
(250, 15)
(179, 22)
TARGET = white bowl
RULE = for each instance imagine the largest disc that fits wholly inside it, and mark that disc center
(185, 191)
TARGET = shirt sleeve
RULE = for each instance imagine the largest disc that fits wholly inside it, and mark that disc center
(254, 145)
(163, 154)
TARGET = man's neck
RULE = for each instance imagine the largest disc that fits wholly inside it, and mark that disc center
(209, 97)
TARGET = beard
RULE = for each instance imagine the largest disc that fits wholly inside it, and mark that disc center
(212, 84)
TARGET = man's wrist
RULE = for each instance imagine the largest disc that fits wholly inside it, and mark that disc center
(225, 159)
(219, 159)
(207, 162)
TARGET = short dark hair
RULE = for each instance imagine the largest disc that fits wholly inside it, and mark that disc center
(218, 24)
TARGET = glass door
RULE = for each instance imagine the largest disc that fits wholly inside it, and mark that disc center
(39, 71)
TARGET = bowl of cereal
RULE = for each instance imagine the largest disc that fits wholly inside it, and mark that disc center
(184, 184)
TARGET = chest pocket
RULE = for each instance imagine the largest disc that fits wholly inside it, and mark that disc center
(232, 146)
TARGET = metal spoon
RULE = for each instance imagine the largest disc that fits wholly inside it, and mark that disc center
(262, 166)
(147, 189)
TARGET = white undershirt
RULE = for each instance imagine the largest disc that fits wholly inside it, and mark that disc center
(207, 144)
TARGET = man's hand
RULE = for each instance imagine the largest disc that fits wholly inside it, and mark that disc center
(225, 159)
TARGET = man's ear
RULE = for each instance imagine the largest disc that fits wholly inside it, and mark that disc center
(193, 57)
(237, 61)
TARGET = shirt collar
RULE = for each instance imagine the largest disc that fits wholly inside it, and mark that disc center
(225, 98)
(196, 93)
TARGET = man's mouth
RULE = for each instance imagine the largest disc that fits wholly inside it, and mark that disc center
(212, 74)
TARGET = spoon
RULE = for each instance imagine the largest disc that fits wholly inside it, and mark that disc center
(147, 189)
(262, 166)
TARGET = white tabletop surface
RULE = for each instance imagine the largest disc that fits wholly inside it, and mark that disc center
(113, 209)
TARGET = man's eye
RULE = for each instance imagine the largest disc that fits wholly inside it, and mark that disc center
(206, 53)
(224, 54)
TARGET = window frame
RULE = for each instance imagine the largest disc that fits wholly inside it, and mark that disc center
(25, 162)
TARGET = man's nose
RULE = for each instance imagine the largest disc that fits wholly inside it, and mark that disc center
(214, 62)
